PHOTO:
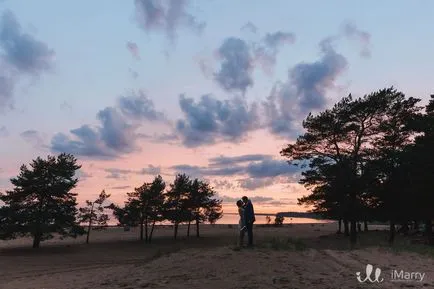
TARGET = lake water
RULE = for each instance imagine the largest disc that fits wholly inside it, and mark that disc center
(260, 219)
(233, 219)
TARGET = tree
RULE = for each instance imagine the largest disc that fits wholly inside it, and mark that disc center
(155, 210)
(420, 172)
(126, 215)
(93, 213)
(213, 212)
(202, 205)
(146, 205)
(338, 144)
(176, 202)
(278, 221)
(268, 220)
(396, 133)
(41, 202)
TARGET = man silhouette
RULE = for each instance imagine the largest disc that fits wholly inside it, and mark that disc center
(249, 218)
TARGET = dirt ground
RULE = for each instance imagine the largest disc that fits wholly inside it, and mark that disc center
(296, 256)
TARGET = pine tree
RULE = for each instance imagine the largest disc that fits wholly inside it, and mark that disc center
(41, 203)
(176, 202)
(93, 214)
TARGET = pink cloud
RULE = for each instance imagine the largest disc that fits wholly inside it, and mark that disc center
(134, 50)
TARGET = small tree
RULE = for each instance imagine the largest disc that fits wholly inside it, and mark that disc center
(213, 211)
(176, 202)
(155, 210)
(144, 207)
(126, 216)
(268, 220)
(202, 205)
(278, 221)
(41, 202)
(93, 213)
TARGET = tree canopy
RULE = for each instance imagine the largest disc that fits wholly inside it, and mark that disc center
(358, 155)
(41, 203)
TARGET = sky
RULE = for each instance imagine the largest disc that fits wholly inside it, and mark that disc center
(214, 89)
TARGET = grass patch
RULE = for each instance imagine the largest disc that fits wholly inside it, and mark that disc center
(283, 244)
(413, 248)
(235, 248)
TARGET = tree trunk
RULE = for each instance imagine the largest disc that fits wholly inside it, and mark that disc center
(353, 232)
(416, 225)
(175, 230)
(141, 229)
(346, 228)
(359, 227)
(339, 226)
(89, 227)
(37, 240)
(188, 228)
(146, 229)
(428, 232)
(197, 227)
(152, 231)
(392, 232)
(365, 226)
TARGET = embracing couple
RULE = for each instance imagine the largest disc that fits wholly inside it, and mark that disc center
(247, 218)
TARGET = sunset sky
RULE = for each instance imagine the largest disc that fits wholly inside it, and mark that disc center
(212, 88)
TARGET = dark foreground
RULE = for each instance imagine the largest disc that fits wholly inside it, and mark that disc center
(297, 256)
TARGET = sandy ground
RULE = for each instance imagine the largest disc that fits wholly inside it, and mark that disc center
(297, 256)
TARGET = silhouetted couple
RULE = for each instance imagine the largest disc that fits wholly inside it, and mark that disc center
(247, 218)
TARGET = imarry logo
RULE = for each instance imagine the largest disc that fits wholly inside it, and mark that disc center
(395, 275)
(369, 269)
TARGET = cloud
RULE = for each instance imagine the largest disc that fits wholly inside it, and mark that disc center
(265, 52)
(120, 187)
(65, 106)
(198, 172)
(115, 132)
(7, 85)
(223, 160)
(34, 137)
(150, 170)
(239, 59)
(255, 199)
(21, 50)
(237, 65)
(224, 184)
(250, 27)
(211, 120)
(4, 131)
(351, 31)
(304, 91)
(279, 38)
(116, 135)
(82, 175)
(21, 54)
(271, 168)
(166, 16)
(205, 67)
(133, 49)
(115, 173)
(133, 73)
(257, 167)
(263, 201)
(253, 184)
(165, 137)
(139, 106)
